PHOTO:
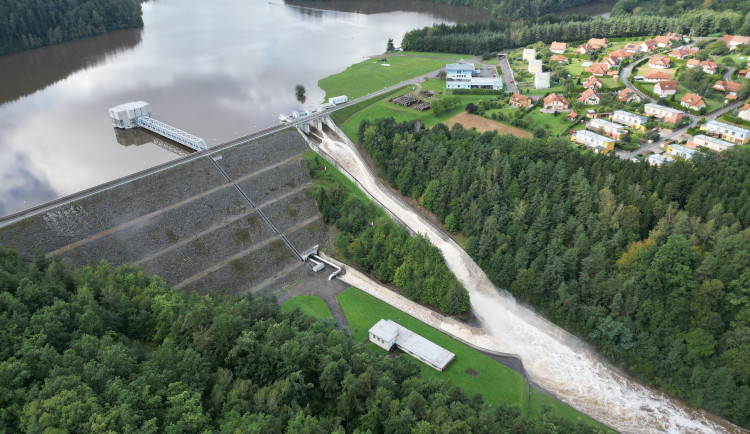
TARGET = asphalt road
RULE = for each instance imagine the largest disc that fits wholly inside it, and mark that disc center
(508, 75)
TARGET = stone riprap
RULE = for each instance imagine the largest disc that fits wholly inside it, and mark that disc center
(189, 225)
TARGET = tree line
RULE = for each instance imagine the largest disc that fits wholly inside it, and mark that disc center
(26, 24)
(376, 245)
(105, 349)
(480, 38)
(652, 266)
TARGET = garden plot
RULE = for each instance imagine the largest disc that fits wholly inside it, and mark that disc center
(258, 154)
(162, 230)
(192, 256)
(292, 210)
(241, 274)
(275, 182)
(69, 223)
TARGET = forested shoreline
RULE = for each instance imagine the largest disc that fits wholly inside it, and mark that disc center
(36, 23)
(652, 266)
(106, 349)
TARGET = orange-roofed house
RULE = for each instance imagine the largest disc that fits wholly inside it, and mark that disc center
(660, 62)
(665, 88)
(683, 53)
(612, 61)
(632, 48)
(598, 69)
(627, 96)
(744, 112)
(556, 102)
(709, 66)
(734, 41)
(692, 63)
(654, 76)
(584, 48)
(744, 73)
(599, 42)
(692, 101)
(590, 97)
(520, 101)
(729, 88)
(663, 41)
(648, 46)
(558, 47)
(674, 36)
(621, 53)
(593, 83)
(559, 58)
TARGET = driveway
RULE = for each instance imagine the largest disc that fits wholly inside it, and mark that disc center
(507, 75)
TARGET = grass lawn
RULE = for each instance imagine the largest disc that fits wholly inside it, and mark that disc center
(575, 69)
(738, 61)
(369, 75)
(309, 305)
(554, 125)
(495, 381)
(434, 55)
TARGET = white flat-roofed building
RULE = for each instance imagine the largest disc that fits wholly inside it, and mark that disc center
(535, 66)
(529, 54)
(386, 334)
(712, 143)
(596, 142)
(463, 76)
(541, 80)
(628, 119)
(610, 129)
(126, 115)
(659, 160)
(728, 132)
(681, 151)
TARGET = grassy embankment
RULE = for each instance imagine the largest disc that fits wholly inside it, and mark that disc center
(309, 305)
(494, 381)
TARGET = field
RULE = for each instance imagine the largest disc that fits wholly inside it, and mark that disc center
(494, 381)
(368, 76)
(483, 124)
(554, 125)
(309, 305)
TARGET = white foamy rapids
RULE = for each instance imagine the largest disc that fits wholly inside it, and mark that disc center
(554, 359)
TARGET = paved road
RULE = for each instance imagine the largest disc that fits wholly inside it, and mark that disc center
(508, 75)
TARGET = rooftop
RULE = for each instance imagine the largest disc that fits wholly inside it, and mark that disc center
(413, 344)
(663, 108)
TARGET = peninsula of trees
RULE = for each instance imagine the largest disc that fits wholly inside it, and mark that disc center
(36, 23)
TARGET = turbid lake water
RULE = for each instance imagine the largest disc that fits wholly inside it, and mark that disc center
(216, 69)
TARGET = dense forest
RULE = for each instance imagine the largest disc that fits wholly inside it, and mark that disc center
(112, 350)
(26, 24)
(675, 8)
(376, 245)
(650, 265)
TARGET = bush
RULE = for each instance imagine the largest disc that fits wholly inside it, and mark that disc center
(471, 107)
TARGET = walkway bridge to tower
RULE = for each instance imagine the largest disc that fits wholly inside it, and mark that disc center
(138, 114)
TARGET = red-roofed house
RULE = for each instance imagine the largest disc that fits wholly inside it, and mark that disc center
(683, 53)
(621, 53)
(554, 101)
(733, 41)
(692, 101)
(744, 73)
(573, 116)
(665, 88)
(660, 62)
(692, 63)
(599, 42)
(744, 112)
(593, 83)
(674, 36)
(589, 97)
(632, 48)
(663, 41)
(520, 101)
(654, 76)
(612, 61)
(584, 48)
(627, 96)
(558, 47)
(648, 46)
(559, 58)
(598, 69)
(730, 88)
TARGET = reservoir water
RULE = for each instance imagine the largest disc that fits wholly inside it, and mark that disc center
(216, 69)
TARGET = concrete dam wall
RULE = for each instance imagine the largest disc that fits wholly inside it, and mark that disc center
(191, 226)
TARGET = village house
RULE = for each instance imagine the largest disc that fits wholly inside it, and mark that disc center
(609, 129)
(665, 88)
(598, 42)
(744, 112)
(558, 47)
(692, 101)
(571, 116)
(674, 36)
(589, 97)
(520, 101)
(541, 80)
(621, 53)
(744, 73)
(734, 41)
(627, 96)
(708, 142)
(654, 76)
(630, 120)
(729, 88)
(556, 102)
(663, 41)
(728, 132)
(680, 151)
(593, 141)
(593, 83)
(708, 66)
(683, 53)
(692, 63)
(612, 61)
(559, 59)
(649, 46)
(535, 66)
(660, 62)
(632, 48)
(583, 49)
(528, 54)
(598, 69)
(666, 114)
